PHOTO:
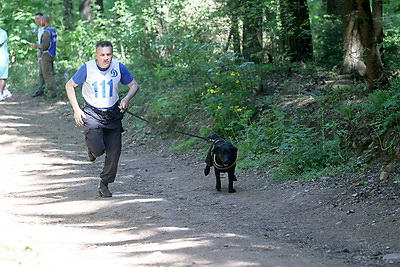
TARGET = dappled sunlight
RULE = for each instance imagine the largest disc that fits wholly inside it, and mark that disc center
(172, 244)
(142, 200)
(299, 100)
(216, 235)
(70, 207)
(172, 178)
(173, 229)
(11, 117)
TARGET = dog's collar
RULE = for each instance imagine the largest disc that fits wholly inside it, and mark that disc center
(220, 167)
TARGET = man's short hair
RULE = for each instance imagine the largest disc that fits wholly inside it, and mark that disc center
(39, 14)
(104, 44)
(46, 19)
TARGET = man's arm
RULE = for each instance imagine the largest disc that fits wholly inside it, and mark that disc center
(45, 42)
(134, 88)
(78, 112)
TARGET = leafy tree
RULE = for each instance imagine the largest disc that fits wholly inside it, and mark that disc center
(252, 30)
(369, 37)
(296, 29)
(68, 15)
(353, 49)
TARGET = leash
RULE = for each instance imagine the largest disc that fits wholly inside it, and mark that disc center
(175, 131)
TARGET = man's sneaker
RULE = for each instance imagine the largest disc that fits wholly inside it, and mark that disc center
(6, 94)
(103, 190)
(91, 158)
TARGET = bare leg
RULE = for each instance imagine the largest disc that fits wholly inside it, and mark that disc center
(2, 85)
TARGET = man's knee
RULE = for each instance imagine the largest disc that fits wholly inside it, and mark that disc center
(97, 152)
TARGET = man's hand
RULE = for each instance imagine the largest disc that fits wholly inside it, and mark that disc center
(133, 88)
(123, 105)
(79, 115)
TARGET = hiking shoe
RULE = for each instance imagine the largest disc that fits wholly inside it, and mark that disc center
(6, 94)
(38, 93)
(103, 190)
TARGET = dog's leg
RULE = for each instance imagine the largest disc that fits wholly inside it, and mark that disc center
(218, 179)
(231, 177)
(206, 170)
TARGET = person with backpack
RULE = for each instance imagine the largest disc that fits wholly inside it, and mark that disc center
(48, 49)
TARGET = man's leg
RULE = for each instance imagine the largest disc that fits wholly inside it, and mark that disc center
(2, 86)
(112, 142)
(94, 141)
(40, 89)
(48, 74)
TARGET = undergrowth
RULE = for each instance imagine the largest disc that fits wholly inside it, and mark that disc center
(295, 141)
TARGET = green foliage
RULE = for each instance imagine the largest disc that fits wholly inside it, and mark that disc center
(281, 141)
(383, 107)
(327, 39)
(391, 47)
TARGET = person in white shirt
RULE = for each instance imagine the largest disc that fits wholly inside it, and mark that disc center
(39, 30)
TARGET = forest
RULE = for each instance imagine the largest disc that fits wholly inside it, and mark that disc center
(304, 87)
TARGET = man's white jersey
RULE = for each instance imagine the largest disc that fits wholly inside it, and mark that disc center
(100, 89)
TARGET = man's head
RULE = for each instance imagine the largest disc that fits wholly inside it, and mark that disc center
(104, 54)
(45, 21)
(38, 19)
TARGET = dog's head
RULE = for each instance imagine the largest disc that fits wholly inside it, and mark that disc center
(225, 153)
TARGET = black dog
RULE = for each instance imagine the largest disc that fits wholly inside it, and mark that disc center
(222, 155)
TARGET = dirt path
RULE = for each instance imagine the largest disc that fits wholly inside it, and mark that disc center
(164, 212)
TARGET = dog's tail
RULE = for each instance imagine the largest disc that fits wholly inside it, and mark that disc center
(207, 170)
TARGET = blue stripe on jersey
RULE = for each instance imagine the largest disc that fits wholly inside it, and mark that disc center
(80, 76)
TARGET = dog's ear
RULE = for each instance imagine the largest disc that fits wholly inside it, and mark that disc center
(235, 151)
(215, 149)
(213, 136)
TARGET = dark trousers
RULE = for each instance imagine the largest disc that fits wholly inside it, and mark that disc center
(103, 135)
(41, 79)
(47, 64)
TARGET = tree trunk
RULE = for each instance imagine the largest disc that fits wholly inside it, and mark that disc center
(377, 15)
(85, 9)
(353, 62)
(234, 34)
(252, 31)
(375, 70)
(297, 39)
(68, 14)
